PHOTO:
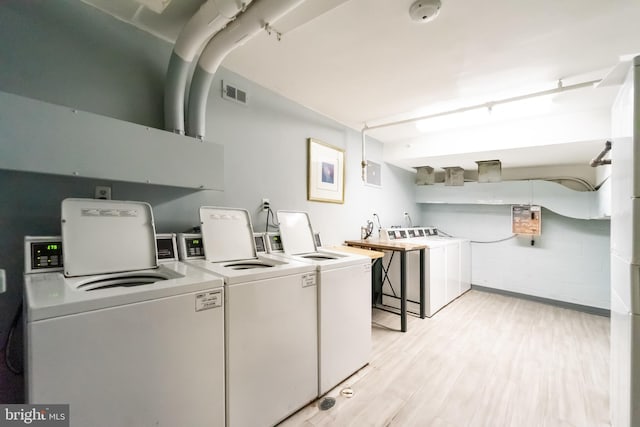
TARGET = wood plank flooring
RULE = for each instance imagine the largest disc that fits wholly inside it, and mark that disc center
(484, 360)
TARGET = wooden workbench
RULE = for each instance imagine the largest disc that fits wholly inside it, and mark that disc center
(402, 248)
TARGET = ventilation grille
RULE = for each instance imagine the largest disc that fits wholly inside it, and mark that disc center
(233, 93)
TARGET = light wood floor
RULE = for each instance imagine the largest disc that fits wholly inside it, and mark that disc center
(484, 360)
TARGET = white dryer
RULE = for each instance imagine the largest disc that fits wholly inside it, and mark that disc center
(447, 269)
(344, 299)
(458, 261)
(120, 339)
(270, 319)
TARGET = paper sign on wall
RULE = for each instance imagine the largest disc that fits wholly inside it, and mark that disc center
(526, 219)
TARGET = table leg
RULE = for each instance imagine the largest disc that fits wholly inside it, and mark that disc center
(422, 289)
(403, 291)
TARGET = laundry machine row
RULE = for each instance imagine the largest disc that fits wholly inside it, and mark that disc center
(343, 286)
(270, 319)
(114, 333)
(116, 324)
(447, 269)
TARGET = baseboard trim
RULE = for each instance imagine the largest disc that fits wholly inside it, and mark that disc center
(577, 307)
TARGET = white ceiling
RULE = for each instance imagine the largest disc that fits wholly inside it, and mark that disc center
(365, 62)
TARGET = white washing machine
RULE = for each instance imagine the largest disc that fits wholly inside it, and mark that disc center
(270, 319)
(344, 299)
(447, 269)
(458, 262)
(120, 339)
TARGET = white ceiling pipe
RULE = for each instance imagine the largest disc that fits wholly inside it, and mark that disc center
(212, 16)
(599, 159)
(258, 16)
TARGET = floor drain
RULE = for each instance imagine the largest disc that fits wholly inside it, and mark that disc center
(327, 403)
(347, 392)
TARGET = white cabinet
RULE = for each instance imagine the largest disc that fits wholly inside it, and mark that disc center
(52, 139)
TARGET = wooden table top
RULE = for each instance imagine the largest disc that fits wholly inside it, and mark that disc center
(360, 251)
(385, 245)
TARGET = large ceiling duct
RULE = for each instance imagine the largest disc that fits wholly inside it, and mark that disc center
(212, 16)
(258, 16)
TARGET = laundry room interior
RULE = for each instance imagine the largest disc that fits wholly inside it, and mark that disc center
(413, 111)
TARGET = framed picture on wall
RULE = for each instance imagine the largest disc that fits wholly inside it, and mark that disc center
(325, 172)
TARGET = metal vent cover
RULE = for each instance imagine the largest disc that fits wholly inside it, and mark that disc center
(233, 93)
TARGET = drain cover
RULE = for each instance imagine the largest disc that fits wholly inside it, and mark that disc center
(327, 403)
(347, 392)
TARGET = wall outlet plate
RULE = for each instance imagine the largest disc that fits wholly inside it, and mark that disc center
(103, 192)
(3, 281)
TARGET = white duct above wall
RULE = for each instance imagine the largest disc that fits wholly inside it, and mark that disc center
(555, 197)
(258, 16)
(212, 16)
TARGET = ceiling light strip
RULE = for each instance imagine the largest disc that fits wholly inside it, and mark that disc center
(489, 104)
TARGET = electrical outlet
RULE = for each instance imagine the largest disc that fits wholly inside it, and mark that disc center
(3, 281)
(103, 192)
(265, 204)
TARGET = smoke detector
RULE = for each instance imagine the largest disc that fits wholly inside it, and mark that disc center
(425, 10)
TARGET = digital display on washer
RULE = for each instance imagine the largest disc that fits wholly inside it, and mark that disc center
(259, 243)
(275, 241)
(403, 234)
(412, 233)
(46, 255)
(391, 234)
(194, 246)
(165, 248)
(420, 233)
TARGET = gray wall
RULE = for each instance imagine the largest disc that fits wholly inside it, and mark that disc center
(67, 53)
(569, 261)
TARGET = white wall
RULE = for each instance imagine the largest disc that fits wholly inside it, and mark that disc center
(569, 261)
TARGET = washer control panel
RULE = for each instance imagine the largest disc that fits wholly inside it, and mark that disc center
(166, 246)
(261, 245)
(42, 254)
(190, 246)
(407, 233)
(274, 242)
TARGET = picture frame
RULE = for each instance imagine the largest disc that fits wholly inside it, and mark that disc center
(325, 172)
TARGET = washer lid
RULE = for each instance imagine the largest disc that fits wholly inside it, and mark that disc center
(296, 232)
(227, 234)
(107, 236)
